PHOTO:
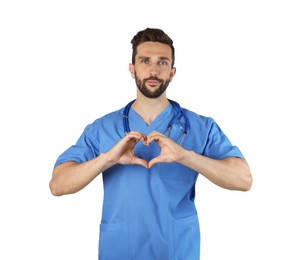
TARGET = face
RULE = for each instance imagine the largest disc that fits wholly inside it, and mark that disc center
(152, 70)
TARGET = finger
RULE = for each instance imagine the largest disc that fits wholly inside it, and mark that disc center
(154, 137)
(140, 162)
(154, 161)
(137, 135)
(154, 133)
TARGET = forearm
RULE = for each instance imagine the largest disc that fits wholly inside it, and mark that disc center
(71, 177)
(230, 173)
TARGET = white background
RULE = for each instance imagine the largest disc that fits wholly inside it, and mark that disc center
(65, 63)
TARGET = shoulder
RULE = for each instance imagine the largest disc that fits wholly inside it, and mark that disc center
(105, 121)
(198, 118)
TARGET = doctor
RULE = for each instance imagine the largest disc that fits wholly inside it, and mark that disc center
(150, 154)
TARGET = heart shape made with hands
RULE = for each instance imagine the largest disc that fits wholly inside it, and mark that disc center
(168, 148)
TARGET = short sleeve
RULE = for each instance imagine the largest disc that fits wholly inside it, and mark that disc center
(86, 148)
(218, 145)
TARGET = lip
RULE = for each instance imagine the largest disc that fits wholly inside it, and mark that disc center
(152, 82)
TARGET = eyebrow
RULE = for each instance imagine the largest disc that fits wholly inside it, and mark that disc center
(164, 58)
(160, 58)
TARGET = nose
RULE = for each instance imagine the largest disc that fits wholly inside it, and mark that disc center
(154, 70)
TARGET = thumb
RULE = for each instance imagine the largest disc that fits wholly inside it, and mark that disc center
(140, 162)
(154, 161)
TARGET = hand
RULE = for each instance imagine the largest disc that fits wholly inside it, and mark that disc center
(170, 150)
(123, 151)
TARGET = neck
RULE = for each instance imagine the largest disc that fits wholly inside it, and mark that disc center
(150, 108)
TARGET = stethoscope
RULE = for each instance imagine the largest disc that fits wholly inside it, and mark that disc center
(178, 114)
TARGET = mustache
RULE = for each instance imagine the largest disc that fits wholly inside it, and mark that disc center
(152, 78)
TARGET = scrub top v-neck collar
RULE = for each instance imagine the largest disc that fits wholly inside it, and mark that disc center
(160, 123)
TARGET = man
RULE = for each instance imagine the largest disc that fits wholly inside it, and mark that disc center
(150, 154)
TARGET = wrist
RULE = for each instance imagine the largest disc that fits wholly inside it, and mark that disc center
(184, 156)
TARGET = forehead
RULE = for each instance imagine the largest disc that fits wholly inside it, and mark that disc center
(150, 49)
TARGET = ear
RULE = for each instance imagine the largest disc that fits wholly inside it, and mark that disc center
(172, 73)
(132, 70)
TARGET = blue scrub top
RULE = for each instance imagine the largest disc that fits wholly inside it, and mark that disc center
(150, 213)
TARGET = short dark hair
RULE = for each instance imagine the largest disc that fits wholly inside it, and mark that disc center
(152, 35)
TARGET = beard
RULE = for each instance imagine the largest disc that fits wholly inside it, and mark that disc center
(148, 93)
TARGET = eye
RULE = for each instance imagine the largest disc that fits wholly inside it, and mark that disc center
(144, 61)
(163, 62)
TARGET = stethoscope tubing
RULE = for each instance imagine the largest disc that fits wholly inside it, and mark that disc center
(179, 113)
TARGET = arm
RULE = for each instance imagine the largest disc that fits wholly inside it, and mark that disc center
(230, 173)
(71, 177)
